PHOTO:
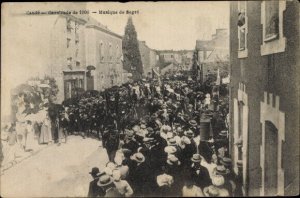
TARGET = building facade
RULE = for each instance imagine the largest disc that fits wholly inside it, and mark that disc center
(85, 55)
(264, 91)
(213, 54)
(148, 57)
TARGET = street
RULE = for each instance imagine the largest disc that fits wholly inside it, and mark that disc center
(57, 171)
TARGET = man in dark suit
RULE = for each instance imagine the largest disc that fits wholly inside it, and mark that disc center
(199, 173)
(130, 143)
(94, 189)
(111, 143)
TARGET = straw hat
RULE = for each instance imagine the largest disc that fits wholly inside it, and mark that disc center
(189, 134)
(172, 142)
(104, 180)
(218, 180)
(170, 149)
(211, 191)
(164, 179)
(193, 122)
(139, 157)
(196, 158)
(170, 135)
(172, 159)
(221, 170)
(143, 126)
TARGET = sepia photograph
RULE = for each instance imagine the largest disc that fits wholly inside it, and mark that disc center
(150, 99)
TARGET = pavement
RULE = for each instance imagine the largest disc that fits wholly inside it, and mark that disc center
(56, 171)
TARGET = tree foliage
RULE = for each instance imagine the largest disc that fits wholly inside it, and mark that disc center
(131, 53)
(51, 93)
(195, 66)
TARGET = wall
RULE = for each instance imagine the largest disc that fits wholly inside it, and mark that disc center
(110, 64)
(276, 74)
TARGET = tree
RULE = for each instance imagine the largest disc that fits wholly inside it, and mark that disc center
(52, 92)
(131, 53)
(195, 66)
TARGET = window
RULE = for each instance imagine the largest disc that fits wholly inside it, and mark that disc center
(76, 53)
(242, 29)
(68, 42)
(272, 21)
(76, 27)
(101, 51)
(77, 64)
(69, 26)
(69, 61)
(76, 42)
(110, 51)
(117, 53)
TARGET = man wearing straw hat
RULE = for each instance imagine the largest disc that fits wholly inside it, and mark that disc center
(107, 184)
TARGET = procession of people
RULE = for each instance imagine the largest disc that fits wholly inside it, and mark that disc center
(162, 138)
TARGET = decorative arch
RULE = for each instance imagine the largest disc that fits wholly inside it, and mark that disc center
(271, 113)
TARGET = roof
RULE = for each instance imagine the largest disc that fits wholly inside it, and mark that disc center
(206, 45)
(218, 54)
(91, 22)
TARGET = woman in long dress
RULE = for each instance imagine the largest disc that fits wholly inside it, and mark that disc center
(46, 133)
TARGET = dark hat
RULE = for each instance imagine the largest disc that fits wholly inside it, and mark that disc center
(193, 122)
(226, 161)
(196, 158)
(223, 133)
(127, 152)
(104, 180)
(239, 163)
(94, 171)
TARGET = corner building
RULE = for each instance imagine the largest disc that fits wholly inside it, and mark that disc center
(85, 55)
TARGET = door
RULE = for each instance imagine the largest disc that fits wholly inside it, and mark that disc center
(271, 146)
(90, 83)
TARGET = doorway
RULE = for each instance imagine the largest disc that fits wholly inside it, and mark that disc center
(271, 146)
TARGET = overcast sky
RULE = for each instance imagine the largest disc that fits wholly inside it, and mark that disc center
(167, 25)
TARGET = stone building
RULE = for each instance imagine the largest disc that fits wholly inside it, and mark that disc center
(85, 55)
(148, 57)
(213, 54)
(264, 92)
(181, 58)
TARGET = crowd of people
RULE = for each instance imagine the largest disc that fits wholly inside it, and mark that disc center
(166, 138)
(162, 139)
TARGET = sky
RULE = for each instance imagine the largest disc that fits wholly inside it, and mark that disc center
(163, 25)
(167, 25)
